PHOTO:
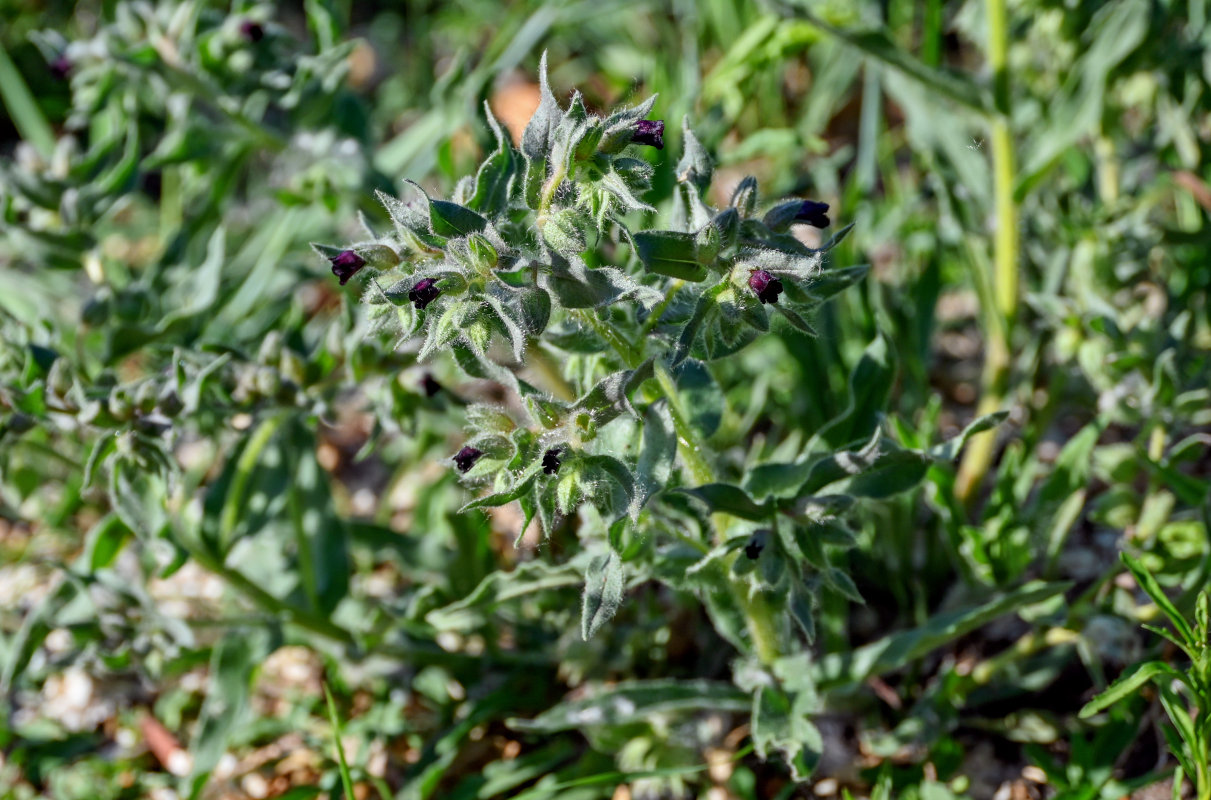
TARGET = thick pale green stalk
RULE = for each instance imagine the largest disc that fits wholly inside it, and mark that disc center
(998, 321)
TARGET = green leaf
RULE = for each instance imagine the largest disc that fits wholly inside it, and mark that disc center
(1127, 684)
(949, 450)
(603, 591)
(494, 180)
(320, 535)
(233, 665)
(499, 587)
(669, 253)
(701, 396)
(878, 43)
(631, 702)
(574, 285)
(891, 473)
(1153, 589)
(723, 497)
(338, 745)
(778, 724)
(657, 453)
(852, 667)
(104, 541)
(869, 385)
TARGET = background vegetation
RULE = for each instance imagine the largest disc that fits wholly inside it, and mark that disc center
(221, 489)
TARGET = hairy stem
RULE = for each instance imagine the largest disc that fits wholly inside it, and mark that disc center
(762, 626)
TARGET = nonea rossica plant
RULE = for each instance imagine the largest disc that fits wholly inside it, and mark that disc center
(548, 273)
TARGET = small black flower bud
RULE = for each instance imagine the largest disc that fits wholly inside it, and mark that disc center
(550, 461)
(430, 385)
(465, 459)
(19, 423)
(649, 131)
(346, 264)
(754, 546)
(424, 292)
(170, 402)
(813, 213)
(96, 310)
(252, 30)
(61, 67)
(765, 285)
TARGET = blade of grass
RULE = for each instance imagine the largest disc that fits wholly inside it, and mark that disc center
(346, 780)
(23, 109)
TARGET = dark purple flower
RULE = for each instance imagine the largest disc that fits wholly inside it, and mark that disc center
(649, 131)
(765, 285)
(754, 546)
(252, 30)
(61, 67)
(465, 459)
(813, 213)
(550, 461)
(346, 264)
(430, 385)
(424, 292)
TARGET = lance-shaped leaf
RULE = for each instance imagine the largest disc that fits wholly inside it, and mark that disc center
(539, 136)
(635, 701)
(611, 395)
(411, 218)
(1129, 683)
(531, 577)
(494, 180)
(949, 450)
(695, 166)
(723, 497)
(670, 253)
(574, 285)
(603, 589)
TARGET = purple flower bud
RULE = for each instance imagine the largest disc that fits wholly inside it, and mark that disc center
(813, 213)
(765, 285)
(550, 461)
(252, 30)
(649, 131)
(430, 385)
(346, 264)
(61, 67)
(465, 459)
(424, 292)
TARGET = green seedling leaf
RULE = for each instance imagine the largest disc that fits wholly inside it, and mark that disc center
(1153, 589)
(1128, 684)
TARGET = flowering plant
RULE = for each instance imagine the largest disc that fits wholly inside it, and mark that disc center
(548, 273)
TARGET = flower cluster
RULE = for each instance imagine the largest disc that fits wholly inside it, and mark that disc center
(545, 251)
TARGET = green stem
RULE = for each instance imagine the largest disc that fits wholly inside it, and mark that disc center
(1000, 318)
(760, 619)
(629, 354)
(690, 446)
(548, 194)
(654, 318)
